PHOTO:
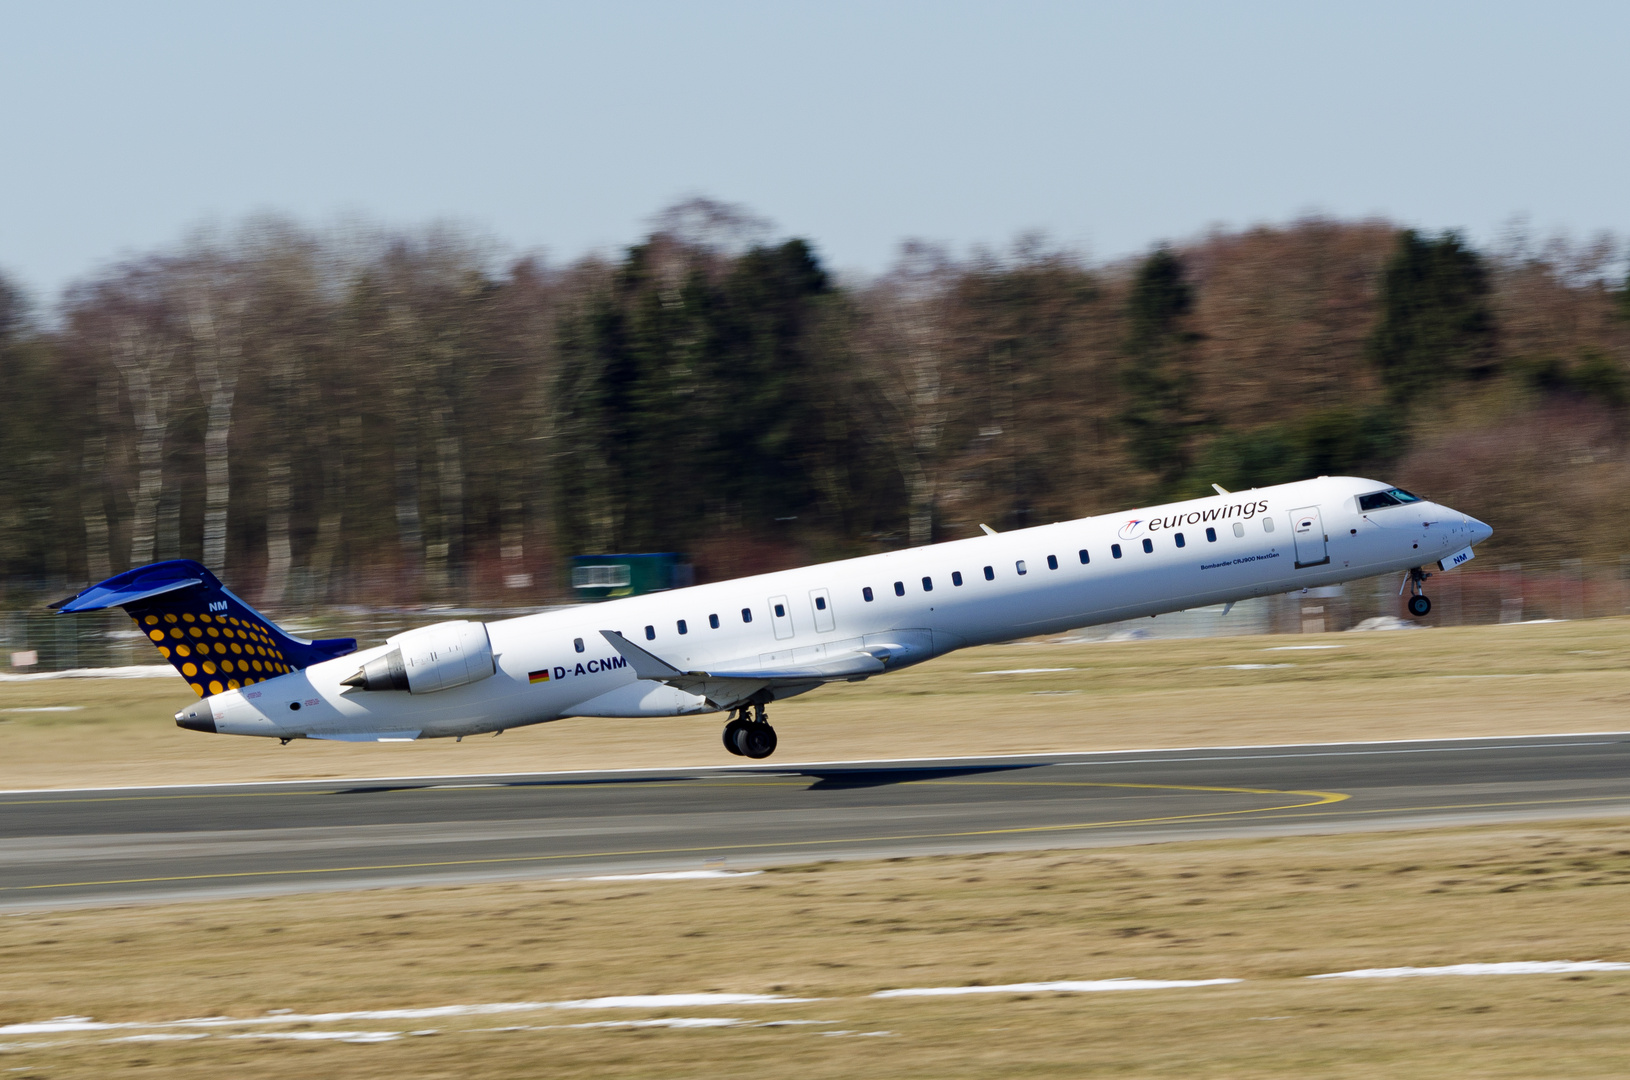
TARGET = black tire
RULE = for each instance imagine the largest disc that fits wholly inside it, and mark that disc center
(1419, 606)
(756, 741)
(730, 731)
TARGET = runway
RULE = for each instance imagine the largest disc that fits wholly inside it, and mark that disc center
(150, 844)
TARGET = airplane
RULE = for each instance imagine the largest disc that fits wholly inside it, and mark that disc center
(735, 646)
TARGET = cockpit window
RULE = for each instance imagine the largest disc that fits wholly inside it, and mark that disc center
(1376, 500)
(1391, 497)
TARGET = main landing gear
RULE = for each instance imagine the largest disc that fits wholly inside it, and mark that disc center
(1418, 604)
(749, 734)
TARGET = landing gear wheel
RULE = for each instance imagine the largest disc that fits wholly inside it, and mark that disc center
(730, 731)
(755, 740)
(1419, 606)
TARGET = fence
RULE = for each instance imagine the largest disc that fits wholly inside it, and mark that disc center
(1473, 594)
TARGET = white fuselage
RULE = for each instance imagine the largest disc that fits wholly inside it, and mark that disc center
(1267, 540)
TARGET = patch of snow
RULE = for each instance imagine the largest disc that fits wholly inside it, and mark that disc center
(1515, 967)
(159, 1036)
(675, 875)
(666, 1022)
(43, 708)
(858, 1034)
(137, 671)
(336, 1036)
(1385, 622)
(61, 1024)
(673, 1001)
(1025, 671)
(1088, 987)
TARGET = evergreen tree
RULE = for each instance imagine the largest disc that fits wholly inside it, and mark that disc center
(1436, 323)
(1156, 378)
(690, 387)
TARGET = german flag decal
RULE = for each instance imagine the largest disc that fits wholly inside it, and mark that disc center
(538, 676)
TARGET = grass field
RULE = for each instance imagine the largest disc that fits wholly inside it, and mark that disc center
(1485, 680)
(1268, 912)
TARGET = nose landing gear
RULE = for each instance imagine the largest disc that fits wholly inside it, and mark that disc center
(749, 734)
(1419, 604)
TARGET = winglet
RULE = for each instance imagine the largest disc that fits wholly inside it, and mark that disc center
(1220, 490)
(644, 664)
(988, 530)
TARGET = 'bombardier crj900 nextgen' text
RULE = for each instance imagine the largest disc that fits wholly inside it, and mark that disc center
(738, 645)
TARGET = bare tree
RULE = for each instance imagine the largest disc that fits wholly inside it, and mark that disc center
(907, 361)
(214, 307)
(145, 361)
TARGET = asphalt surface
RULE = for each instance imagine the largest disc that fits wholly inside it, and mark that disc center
(72, 848)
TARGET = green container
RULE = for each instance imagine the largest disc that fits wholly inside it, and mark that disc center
(607, 577)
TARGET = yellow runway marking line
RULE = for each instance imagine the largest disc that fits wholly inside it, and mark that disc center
(789, 782)
(1482, 805)
(1319, 798)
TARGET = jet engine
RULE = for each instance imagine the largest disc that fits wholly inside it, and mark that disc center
(430, 658)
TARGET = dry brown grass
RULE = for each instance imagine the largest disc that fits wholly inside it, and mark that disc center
(1266, 911)
(1471, 681)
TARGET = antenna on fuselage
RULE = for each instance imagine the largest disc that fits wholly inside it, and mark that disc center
(1220, 490)
(988, 530)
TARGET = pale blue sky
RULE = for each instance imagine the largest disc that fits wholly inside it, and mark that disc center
(566, 127)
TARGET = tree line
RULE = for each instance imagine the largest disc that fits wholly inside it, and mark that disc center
(405, 419)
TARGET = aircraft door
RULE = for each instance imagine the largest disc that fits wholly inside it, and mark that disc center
(1311, 542)
(780, 617)
(820, 605)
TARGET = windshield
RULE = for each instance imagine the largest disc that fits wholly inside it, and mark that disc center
(1391, 497)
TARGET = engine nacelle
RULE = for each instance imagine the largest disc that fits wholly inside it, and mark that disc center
(430, 658)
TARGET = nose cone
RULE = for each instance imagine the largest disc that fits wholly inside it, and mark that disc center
(1480, 531)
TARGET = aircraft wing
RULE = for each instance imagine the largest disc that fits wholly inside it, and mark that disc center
(723, 687)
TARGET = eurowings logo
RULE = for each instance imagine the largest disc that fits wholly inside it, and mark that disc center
(1131, 529)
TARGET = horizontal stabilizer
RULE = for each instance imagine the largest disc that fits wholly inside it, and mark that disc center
(216, 640)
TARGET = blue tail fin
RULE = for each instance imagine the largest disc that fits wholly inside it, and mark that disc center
(213, 638)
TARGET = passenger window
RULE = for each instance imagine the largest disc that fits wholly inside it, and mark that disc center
(1211, 534)
(1019, 566)
(1239, 528)
(780, 611)
(746, 614)
(928, 584)
(1148, 545)
(1084, 559)
(682, 627)
(713, 621)
(956, 578)
(1052, 562)
(867, 593)
(1180, 541)
(577, 643)
(899, 588)
(1115, 551)
(820, 603)
(1267, 524)
(650, 633)
(990, 575)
